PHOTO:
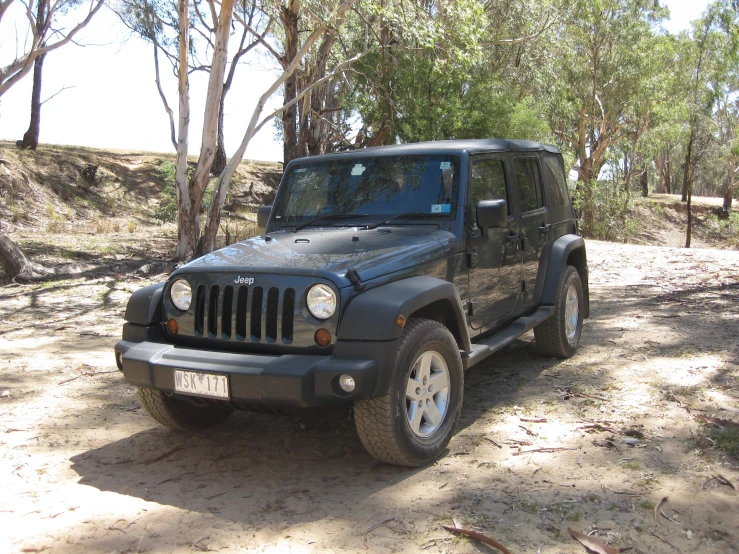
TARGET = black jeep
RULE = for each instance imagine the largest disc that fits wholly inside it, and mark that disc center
(381, 276)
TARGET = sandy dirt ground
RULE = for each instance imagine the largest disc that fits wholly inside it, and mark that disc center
(84, 469)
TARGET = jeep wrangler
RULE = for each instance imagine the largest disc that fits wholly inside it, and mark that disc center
(381, 276)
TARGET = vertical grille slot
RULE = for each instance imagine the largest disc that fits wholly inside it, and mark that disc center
(213, 312)
(227, 311)
(200, 310)
(273, 299)
(241, 312)
(256, 313)
(288, 312)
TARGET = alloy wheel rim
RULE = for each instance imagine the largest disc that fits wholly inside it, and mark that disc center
(572, 313)
(427, 394)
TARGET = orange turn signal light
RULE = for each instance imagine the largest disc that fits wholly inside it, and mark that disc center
(400, 322)
(173, 327)
(323, 337)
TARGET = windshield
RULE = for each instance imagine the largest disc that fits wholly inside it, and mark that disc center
(369, 189)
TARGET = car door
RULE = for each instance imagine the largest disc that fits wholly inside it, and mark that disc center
(535, 224)
(495, 263)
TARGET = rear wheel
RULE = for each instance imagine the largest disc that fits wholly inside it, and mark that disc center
(414, 422)
(560, 334)
(180, 414)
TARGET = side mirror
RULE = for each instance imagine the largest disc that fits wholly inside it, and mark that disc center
(492, 214)
(263, 216)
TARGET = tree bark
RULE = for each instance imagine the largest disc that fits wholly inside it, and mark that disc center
(289, 19)
(30, 138)
(13, 262)
(688, 187)
(644, 182)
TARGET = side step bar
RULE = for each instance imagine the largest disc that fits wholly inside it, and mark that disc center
(487, 347)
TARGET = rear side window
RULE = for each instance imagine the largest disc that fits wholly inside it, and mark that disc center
(526, 171)
(555, 177)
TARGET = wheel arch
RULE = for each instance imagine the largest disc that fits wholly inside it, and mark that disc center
(372, 315)
(145, 305)
(566, 250)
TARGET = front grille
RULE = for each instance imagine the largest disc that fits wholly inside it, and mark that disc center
(243, 313)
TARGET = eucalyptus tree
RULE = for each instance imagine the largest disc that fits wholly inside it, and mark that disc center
(471, 76)
(603, 61)
(49, 27)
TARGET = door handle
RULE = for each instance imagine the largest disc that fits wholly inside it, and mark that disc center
(545, 228)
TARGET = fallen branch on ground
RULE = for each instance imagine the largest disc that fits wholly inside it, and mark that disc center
(552, 449)
(372, 528)
(478, 537)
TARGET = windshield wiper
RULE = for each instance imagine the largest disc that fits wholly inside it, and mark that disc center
(407, 215)
(300, 226)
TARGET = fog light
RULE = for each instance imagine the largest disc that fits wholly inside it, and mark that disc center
(173, 327)
(323, 337)
(347, 383)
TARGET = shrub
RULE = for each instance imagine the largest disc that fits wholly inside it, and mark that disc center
(603, 208)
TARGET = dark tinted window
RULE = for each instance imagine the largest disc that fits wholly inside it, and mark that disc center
(526, 171)
(487, 183)
(555, 178)
(380, 186)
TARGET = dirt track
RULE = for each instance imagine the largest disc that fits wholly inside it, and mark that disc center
(83, 468)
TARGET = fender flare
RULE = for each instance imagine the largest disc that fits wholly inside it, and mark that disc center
(372, 315)
(560, 252)
(145, 305)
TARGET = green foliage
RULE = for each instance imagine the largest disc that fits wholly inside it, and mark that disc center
(603, 208)
(167, 210)
(727, 440)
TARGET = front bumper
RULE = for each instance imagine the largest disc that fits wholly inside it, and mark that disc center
(261, 379)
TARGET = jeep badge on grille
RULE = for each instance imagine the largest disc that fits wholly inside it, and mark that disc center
(243, 280)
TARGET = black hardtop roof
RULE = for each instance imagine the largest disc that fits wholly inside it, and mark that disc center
(473, 146)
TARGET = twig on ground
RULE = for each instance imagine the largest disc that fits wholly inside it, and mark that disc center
(87, 375)
(491, 440)
(664, 515)
(545, 449)
(534, 419)
(166, 454)
(529, 432)
(656, 510)
(479, 537)
(663, 540)
(372, 528)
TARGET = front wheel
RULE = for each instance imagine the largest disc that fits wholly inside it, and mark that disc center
(413, 424)
(180, 414)
(560, 334)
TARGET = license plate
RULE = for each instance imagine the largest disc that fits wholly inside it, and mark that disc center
(197, 383)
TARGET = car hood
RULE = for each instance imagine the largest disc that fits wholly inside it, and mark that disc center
(330, 252)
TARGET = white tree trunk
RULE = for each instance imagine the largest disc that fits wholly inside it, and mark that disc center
(184, 223)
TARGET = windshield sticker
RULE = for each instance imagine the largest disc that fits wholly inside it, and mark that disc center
(358, 169)
(441, 208)
(445, 165)
(301, 170)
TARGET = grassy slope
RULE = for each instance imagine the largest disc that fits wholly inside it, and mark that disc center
(48, 190)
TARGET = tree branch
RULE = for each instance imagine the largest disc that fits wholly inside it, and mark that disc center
(55, 94)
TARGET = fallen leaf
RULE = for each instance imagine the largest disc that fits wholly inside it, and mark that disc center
(480, 537)
(656, 510)
(5, 394)
(592, 544)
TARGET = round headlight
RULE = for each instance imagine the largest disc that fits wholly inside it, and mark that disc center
(181, 294)
(321, 301)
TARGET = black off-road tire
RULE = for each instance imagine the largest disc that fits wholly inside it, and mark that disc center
(551, 335)
(382, 423)
(181, 415)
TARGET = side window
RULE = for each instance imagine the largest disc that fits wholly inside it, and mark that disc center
(526, 171)
(487, 183)
(555, 177)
